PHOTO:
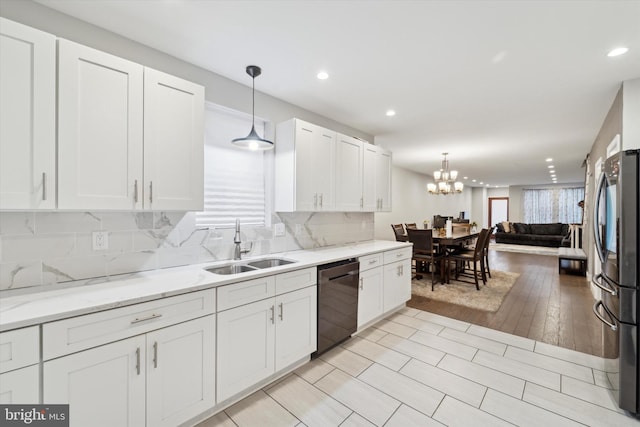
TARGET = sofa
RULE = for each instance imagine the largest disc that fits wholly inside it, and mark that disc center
(517, 233)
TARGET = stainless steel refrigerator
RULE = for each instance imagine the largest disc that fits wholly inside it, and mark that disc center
(617, 244)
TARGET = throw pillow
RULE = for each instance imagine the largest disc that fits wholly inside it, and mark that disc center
(499, 228)
(507, 228)
(521, 228)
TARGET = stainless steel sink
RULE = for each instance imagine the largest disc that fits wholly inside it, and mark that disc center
(231, 269)
(269, 262)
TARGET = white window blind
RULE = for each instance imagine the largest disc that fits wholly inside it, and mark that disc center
(234, 185)
(549, 205)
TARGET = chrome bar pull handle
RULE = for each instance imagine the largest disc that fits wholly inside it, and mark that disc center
(281, 312)
(596, 306)
(144, 319)
(135, 191)
(155, 354)
(151, 192)
(44, 186)
(361, 202)
(272, 314)
(138, 360)
(321, 194)
(361, 284)
(315, 199)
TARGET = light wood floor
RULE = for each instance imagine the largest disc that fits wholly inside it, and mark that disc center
(542, 305)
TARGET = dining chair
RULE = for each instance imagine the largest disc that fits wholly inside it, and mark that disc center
(410, 225)
(398, 231)
(424, 253)
(473, 257)
(485, 251)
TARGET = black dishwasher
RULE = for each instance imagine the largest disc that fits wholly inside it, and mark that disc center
(337, 303)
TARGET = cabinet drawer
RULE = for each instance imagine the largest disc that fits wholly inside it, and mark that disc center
(241, 293)
(294, 280)
(78, 333)
(19, 348)
(397, 255)
(368, 262)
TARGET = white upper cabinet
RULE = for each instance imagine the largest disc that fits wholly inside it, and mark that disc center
(349, 173)
(369, 160)
(304, 167)
(100, 118)
(27, 117)
(173, 142)
(383, 180)
(129, 137)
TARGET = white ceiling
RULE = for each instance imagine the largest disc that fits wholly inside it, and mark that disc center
(500, 85)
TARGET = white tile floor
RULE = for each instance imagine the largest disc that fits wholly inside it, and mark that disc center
(420, 369)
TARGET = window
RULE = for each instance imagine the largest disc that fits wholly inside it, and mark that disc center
(234, 179)
(548, 205)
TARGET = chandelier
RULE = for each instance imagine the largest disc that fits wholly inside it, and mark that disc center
(445, 180)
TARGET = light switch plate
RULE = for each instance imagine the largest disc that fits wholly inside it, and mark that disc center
(278, 230)
(100, 240)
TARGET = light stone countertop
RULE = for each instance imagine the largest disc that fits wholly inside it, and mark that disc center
(35, 308)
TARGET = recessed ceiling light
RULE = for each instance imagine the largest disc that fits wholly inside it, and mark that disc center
(391, 113)
(550, 166)
(549, 159)
(465, 177)
(323, 75)
(481, 182)
(473, 180)
(618, 51)
(553, 176)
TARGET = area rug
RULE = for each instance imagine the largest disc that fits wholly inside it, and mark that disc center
(488, 298)
(524, 249)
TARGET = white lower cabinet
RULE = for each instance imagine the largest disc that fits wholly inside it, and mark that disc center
(162, 378)
(371, 288)
(258, 339)
(20, 386)
(397, 284)
(397, 277)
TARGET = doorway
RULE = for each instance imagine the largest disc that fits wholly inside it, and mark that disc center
(498, 210)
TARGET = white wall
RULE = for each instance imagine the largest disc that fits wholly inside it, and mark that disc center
(631, 115)
(412, 202)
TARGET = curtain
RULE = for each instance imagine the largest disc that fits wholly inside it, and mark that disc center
(549, 205)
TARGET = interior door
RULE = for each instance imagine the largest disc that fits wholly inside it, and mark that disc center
(498, 210)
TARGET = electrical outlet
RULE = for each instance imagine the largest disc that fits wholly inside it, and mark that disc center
(100, 240)
(278, 230)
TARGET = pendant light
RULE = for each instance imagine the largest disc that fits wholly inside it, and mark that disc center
(253, 140)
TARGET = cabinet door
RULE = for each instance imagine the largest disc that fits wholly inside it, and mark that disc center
(173, 143)
(27, 117)
(104, 386)
(99, 129)
(369, 178)
(324, 167)
(306, 195)
(397, 284)
(180, 372)
(349, 157)
(21, 386)
(246, 338)
(383, 180)
(296, 326)
(370, 295)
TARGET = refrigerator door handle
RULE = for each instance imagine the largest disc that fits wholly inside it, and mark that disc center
(599, 304)
(601, 286)
(596, 216)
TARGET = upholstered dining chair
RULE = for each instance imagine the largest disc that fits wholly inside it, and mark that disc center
(424, 253)
(473, 257)
(398, 231)
(410, 225)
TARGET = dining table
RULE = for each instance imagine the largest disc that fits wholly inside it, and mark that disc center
(449, 244)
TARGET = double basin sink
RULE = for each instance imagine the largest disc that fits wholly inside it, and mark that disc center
(260, 264)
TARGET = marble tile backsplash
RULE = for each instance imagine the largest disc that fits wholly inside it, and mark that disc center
(40, 249)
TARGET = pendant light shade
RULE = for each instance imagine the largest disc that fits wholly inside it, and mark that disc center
(253, 140)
